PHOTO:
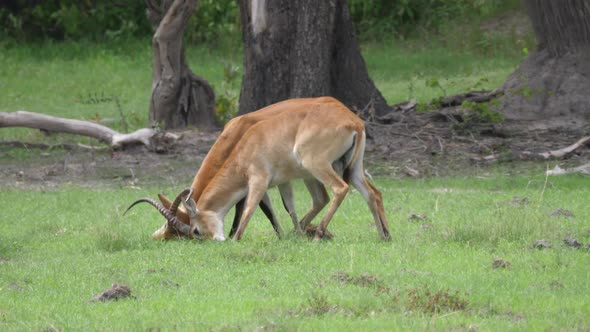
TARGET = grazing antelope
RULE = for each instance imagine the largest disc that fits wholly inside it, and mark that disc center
(313, 139)
(229, 138)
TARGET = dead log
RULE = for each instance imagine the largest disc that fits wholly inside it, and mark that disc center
(582, 169)
(547, 155)
(146, 136)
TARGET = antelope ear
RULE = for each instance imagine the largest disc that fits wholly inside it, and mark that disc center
(181, 214)
(191, 206)
(165, 201)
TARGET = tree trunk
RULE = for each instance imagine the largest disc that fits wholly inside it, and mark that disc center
(303, 48)
(179, 97)
(550, 89)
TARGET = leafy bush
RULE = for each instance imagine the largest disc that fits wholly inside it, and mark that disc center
(214, 21)
(482, 112)
(217, 20)
(227, 97)
(95, 20)
(71, 19)
(376, 19)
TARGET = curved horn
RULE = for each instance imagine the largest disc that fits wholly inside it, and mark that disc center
(188, 192)
(172, 220)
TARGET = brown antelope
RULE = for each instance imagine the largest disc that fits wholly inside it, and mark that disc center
(229, 138)
(312, 139)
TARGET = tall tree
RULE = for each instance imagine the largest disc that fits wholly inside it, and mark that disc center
(551, 88)
(303, 48)
(179, 97)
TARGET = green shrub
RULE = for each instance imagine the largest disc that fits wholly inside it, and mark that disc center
(214, 21)
(96, 20)
(227, 96)
(218, 20)
(378, 19)
(70, 19)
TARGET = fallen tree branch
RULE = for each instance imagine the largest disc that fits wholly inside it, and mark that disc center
(583, 169)
(547, 155)
(146, 136)
(557, 154)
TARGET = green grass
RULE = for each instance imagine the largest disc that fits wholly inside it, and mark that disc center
(84, 80)
(401, 73)
(60, 247)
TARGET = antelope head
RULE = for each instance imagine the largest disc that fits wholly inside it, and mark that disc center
(174, 227)
(208, 227)
(204, 224)
(198, 232)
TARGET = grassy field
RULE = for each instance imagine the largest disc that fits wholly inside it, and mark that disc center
(112, 82)
(61, 246)
(58, 248)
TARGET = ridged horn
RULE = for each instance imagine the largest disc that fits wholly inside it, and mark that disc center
(172, 220)
(188, 192)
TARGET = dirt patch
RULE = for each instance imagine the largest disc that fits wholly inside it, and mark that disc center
(515, 317)
(52, 328)
(169, 283)
(432, 144)
(114, 293)
(364, 280)
(318, 305)
(433, 302)
(499, 263)
(518, 201)
(541, 244)
(16, 287)
(428, 144)
(133, 167)
(417, 217)
(570, 241)
(561, 213)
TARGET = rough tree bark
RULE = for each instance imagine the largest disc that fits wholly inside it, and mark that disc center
(179, 97)
(303, 48)
(550, 89)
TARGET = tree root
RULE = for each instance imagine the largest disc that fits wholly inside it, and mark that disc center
(398, 111)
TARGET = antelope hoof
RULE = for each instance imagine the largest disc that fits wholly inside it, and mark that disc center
(312, 232)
